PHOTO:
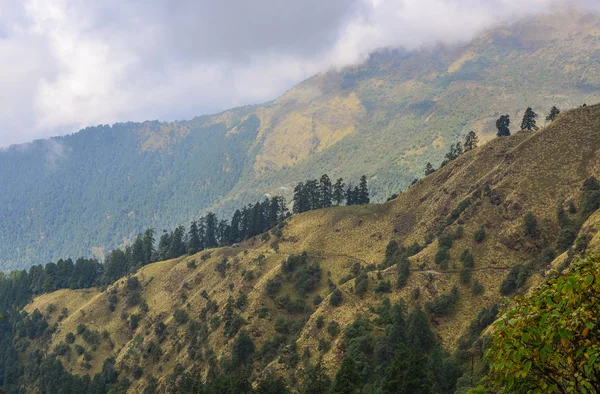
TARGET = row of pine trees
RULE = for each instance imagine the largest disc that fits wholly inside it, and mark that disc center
(317, 194)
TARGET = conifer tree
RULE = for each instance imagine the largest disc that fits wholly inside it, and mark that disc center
(363, 191)
(148, 245)
(553, 114)
(429, 169)
(210, 235)
(338, 191)
(326, 192)
(177, 246)
(471, 141)
(529, 122)
(502, 124)
(301, 199)
(194, 238)
(347, 379)
(137, 252)
(312, 191)
(350, 195)
(234, 232)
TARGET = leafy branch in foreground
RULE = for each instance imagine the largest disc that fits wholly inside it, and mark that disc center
(550, 340)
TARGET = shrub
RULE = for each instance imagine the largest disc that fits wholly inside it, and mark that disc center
(308, 279)
(566, 237)
(479, 235)
(333, 328)
(462, 206)
(134, 321)
(317, 299)
(336, 298)
(79, 350)
(241, 301)
(361, 284)
(81, 328)
(477, 288)
(180, 316)
(466, 273)
(467, 259)
(132, 283)
(442, 258)
(61, 349)
(205, 256)
(320, 322)
(403, 267)
(191, 264)
(530, 225)
(273, 285)
(516, 278)
(383, 287)
(222, 266)
(444, 241)
(324, 345)
(134, 298)
(444, 304)
(70, 338)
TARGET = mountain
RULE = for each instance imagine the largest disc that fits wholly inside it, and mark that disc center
(83, 194)
(520, 205)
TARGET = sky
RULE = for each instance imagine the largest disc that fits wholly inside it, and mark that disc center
(68, 64)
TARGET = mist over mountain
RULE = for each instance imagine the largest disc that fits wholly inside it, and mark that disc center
(82, 194)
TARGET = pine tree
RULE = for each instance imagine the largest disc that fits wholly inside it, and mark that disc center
(502, 125)
(429, 169)
(529, 122)
(325, 191)
(553, 114)
(338, 191)
(234, 232)
(363, 191)
(210, 235)
(137, 252)
(177, 246)
(350, 195)
(316, 380)
(347, 379)
(148, 245)
(471, 141)
(164, 243)
(301, 199)
(194, 238)
(312, 192)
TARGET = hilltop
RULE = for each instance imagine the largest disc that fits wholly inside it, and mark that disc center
(494, 189)
(83, 194)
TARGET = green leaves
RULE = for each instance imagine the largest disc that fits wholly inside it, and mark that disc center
(551, 335)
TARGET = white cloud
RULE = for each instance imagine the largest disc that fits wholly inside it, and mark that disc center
(74, 63)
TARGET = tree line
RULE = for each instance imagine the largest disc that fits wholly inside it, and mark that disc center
(316, 194)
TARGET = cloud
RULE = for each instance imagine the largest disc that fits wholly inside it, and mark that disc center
(74, 63)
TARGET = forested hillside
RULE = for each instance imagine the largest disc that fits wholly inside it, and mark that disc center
(383, 298)
(84, 194)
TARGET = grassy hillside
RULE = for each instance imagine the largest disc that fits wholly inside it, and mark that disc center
(502, 181)
(85, 193)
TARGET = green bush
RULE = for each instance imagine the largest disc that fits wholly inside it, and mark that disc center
(383, 287)
(336, 298)
(333, 328)
(443, 305)
(479, 235)
(180, 316)
(477, 289)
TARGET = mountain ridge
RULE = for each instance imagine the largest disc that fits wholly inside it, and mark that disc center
(407, 106)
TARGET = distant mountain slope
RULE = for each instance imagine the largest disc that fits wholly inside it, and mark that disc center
(84, 193)
(503, 180)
